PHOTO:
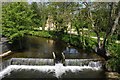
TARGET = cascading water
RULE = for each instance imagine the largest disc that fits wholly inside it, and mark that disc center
(68, 62)
(31, 61)
(5, 64)
(83, 62)
(46, 65)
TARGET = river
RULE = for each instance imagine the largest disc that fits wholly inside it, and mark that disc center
(37, 47)
(36, 61)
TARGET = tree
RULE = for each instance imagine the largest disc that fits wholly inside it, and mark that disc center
(17, 20)
(104, 19)
(41, 11)
(79, 23)
(62, 15)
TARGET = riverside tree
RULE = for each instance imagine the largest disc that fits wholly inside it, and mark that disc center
(17, 20)
(62, 14)
(41, 11)
(104, 19)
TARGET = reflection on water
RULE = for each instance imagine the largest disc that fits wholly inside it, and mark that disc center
(70, 51)
(38, 47)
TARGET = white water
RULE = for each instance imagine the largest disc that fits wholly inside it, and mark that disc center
(31, 61)
(58, 69)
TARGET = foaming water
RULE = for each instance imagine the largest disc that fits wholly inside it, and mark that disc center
(58, 69)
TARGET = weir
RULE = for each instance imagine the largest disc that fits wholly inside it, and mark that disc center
(46, 66)
(50, 62)
(50, 65)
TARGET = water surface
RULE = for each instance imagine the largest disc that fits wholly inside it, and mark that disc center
(37, 47)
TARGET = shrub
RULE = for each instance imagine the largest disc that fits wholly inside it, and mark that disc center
(113, 64)
(40, 33)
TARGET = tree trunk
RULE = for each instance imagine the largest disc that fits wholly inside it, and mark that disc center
(115, 23)
(78, 32)
(100, 49)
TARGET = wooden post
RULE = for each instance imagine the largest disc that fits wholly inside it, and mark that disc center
(54, 57)
(63, 58)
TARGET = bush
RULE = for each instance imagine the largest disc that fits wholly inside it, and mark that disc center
(40, 34)
(114, 63)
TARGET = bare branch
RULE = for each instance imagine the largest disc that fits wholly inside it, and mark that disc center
(115, 23)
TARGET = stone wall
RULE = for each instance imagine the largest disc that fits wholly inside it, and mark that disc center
(4, 45)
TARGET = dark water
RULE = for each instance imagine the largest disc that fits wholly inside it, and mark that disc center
(38, 47)
(31, 74)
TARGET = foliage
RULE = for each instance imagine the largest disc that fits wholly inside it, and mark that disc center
(114, 63)
(40, 33)
(61, 13)
(102, 17)
(41, 11)
(73, 40)
(17, 19)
